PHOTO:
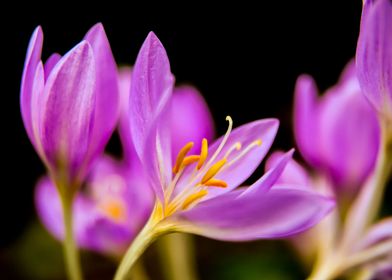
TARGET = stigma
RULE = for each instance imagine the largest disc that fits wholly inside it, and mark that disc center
(202, 171)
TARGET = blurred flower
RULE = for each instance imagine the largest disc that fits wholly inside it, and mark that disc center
(374, 55)
(198, 193)
(338, 133)
(69, 104)
(117, 200)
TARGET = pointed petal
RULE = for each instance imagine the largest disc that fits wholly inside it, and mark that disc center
(277, 213)
(149, 111)
(293, 172)
(374, 54)
(33, 57)
(236, 173)
(69, 109)
(305, 119)
(51, 63)
(350, 135)
(191, 119)
(107, 96)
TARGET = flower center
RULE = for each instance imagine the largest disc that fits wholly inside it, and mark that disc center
(114, 209)
(202, 174)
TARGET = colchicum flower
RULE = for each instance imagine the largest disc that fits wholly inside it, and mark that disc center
(70, 104)
(338, 133)
(117, 200)
(198, 192)
(70, 108)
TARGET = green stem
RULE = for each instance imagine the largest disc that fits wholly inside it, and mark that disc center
(71, 253)
(176, 254)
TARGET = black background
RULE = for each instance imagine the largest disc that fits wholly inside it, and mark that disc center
(244, 59)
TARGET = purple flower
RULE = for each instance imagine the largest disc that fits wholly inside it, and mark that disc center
(338, 133)
(198, 192)
(69, 104)
(117, 200)
(374, 55)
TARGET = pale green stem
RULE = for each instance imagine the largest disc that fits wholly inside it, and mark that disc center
(176, 253)
(71, 253)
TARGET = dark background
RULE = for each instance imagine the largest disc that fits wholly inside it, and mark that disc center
(244, 59)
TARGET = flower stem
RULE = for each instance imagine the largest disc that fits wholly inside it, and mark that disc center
(176, 254)
(151, 231)
(71, 253)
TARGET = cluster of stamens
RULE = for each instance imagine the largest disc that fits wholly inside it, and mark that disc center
(204, 173)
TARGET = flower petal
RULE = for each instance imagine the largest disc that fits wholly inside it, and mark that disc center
(69, 109)
(350, 135)
(374, 54)
(277, 213)
(378, 232)
(293, 172)
(236, 173)
(149, 111)
(33, 57)
(107, 97)
(191, 119)
(305, 119)
(51, 63)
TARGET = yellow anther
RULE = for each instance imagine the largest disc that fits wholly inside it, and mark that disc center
(181, 156)
(115, 210)
(213, 170)
(203, 153)
(258, 142)
(190, 159)
(216, 183)
(193, 197)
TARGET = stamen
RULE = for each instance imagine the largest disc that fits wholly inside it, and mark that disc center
(213, 170)
(193, 197)
(190, 159)
(237, 146)
(224, 140)
(203, 153)
(245, 151)
(216, 183)
(181, 156)
(170, 209)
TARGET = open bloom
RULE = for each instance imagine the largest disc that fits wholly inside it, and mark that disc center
(198, 192)
(117, 200)
(374, 55)
(69, 104)
(338, 133)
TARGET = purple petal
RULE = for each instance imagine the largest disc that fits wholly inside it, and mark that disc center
(236, 173)
(350, 135)
(149, 111)
(107, 97)
(374, 54)
(69, 109)
(305, 119)
(191, 119)
(277, 213)
(51, 63)
(293, 172)
(33, 57)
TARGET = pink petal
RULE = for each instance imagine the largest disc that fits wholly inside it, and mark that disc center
(69, 100)
(51, 63)
(378, 232)
(107, 98)
(149, 111)
(33, 57)
(277, 213)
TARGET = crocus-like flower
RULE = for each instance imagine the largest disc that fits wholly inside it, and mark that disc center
(337, 133)
(70, 104)
(198, 193)
(374, 55)
(117, 200)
